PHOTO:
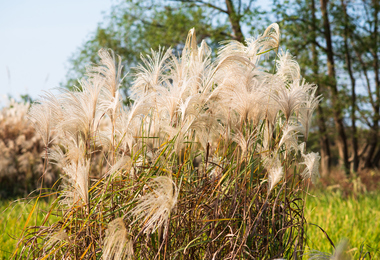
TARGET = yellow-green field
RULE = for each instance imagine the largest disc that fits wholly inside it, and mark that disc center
(355, 218)
(13, 217)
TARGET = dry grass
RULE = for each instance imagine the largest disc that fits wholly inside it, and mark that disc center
(355, 184)
(206, 164)
(350, 217)
(21, 149)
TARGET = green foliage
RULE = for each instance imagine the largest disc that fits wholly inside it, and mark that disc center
(135, 27)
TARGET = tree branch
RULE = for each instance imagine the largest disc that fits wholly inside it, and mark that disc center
(202, 3)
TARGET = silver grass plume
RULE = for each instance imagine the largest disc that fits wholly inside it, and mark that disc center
(306, 110)
(151, 73)
(57, 156)
(74, 146)
(266, 137)
(339, 253)
(46, 115)
(289, 137)
(154, 207)
(82, 113)
(302, 147)
(77, 177)
(191, 47)
(108, 71)
(289, 97)
(57, 237)
(275, 170)
(254, 47)
(14, 113)
(117, 243)
(195, 65)
(312, 166)
(270, 39)
(240, 90)
(128, 124)
(317, 255)
(244, 142)
(107, 74)
(287, 68)
(124, 163)
(168, 101)
(41, 117)
(274, 176)
(271, 108)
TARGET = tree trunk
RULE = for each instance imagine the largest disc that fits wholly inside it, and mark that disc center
(323, 137)
(370, 158)
(337, 111)
(370, 146)
(376, 7)
(234, 18)
(355, 148)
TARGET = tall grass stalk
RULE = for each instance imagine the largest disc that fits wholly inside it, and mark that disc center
(208, 163)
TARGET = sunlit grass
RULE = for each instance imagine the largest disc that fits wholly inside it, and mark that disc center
(355, 218)
(13, 217)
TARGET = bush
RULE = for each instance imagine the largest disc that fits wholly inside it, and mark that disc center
(21, 148)
(204, 164)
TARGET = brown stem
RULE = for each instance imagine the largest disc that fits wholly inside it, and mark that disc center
(337, 110)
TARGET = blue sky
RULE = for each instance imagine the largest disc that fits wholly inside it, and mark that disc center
(38, 36)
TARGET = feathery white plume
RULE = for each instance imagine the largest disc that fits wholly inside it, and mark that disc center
(312, 166)
(155, 206)
(78, 179)
(289, 98)
(117, 243)
(41, 117)
(269, 40)
(287, 68)
(340, 253)
(124, 163)
(150, 74)
(56, 237)
(289, 137)
(275, 170)
(108, 71)
(275, 175)
(306, 110)
(301, 147)
(243, 142)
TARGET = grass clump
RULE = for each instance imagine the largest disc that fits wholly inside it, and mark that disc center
(20, 157)
(207, 163)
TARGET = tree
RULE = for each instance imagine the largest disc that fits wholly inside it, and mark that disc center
(302, 37)
(339, 47)
(336, 42)
(135, 27)
(323, 138)
(332, 84)
(365, 44)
